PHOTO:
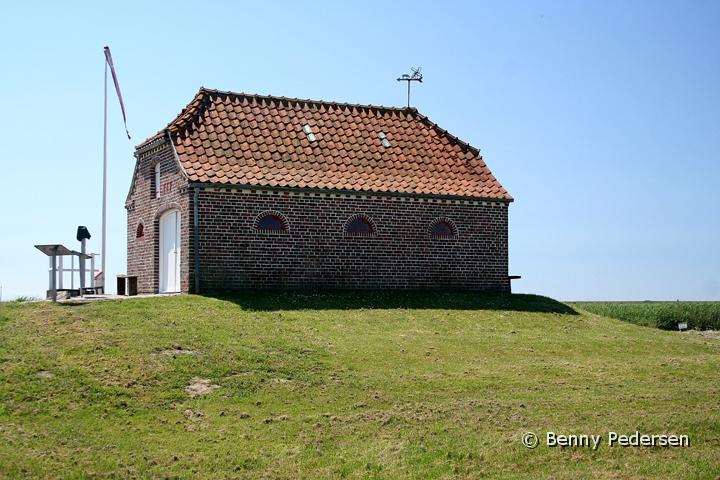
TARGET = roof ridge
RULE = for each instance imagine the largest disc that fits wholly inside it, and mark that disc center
(193, 108)
(308, 100)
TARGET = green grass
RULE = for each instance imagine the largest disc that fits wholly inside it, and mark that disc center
(346, 385)
(24, 298)
(665, 315)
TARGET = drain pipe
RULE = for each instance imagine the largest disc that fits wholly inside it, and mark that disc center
(197, 240)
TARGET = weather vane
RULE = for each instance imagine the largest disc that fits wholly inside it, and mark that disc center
(416, 77)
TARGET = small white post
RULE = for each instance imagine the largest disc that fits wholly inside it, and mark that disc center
(61, 272)
(51, 272)
(53, 286)
(92, 271)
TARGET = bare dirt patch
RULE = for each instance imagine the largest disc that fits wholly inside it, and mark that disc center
(177, 351)
(279, 380)
(196, 419)
(200, 386)
(706, 333)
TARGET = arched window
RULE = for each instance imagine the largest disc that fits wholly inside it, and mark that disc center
(442, 228)
(271, 222)
(140, 231)
(359, 225)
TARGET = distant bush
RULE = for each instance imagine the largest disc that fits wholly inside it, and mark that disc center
(25, 298)
(665, 315)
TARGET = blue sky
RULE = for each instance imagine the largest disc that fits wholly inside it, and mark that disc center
(602, 119)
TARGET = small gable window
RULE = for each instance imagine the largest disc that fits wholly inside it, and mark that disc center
(157, 180)
(359, 225)
(274, 222)
(443, 228)
(140, 231)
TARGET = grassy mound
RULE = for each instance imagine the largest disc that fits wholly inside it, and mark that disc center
(346, 385)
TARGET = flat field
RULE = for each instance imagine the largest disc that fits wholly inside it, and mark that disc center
(665, 315)
(348, 385)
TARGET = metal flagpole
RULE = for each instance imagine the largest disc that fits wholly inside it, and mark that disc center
(108, 63)
(104, 199)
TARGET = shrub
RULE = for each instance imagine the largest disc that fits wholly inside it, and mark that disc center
(25, 298)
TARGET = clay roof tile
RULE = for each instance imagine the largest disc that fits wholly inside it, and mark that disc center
(245, 129)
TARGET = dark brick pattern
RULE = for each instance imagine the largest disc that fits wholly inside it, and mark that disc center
(318, 254)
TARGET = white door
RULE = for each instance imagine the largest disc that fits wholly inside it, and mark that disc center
(170, 252)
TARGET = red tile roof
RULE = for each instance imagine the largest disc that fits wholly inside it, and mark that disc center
(239, 139)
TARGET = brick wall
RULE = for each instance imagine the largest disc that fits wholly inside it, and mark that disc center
(145, 208)
(316, 253)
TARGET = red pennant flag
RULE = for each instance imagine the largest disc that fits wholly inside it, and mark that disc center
(108, 58)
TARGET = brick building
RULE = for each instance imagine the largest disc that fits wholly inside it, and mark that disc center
(258, 192)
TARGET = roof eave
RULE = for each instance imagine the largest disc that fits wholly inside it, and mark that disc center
(153, 144)
(352, 192)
